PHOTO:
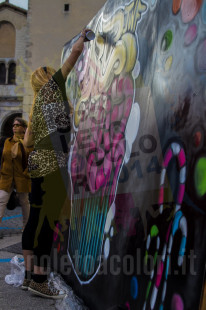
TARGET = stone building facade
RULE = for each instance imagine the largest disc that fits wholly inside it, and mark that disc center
(13, 26)
(40, 34)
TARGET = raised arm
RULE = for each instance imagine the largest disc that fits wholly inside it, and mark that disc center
(75, 53)
(28, 141)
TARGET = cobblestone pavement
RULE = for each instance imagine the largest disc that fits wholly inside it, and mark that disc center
(11, 223)
(14, 298)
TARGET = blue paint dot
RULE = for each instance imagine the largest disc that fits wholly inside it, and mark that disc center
(134, 288)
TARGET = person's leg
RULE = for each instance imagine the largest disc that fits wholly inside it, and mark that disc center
(29, 266)
(4, 198)
(40, 285)
(52, 201)
(27, 245)
(24, 203)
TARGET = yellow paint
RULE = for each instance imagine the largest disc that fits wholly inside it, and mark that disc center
(117, 53)
(168, 63)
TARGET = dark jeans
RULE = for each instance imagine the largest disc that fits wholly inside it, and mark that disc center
(48, 196)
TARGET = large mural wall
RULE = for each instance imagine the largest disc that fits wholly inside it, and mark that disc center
(135, 237)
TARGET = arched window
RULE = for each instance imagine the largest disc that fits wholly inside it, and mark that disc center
(12, 73)
(7, 40)
(2, 73)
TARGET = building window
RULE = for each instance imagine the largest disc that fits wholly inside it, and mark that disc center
(7, 40)
(2, 73)
(12, 73)
(66, 7)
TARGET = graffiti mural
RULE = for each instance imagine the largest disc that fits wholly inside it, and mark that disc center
(135, 235)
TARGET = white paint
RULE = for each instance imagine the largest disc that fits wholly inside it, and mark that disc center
(175, 148)
(106, 248)
(110, 217)
(162, 178)
(111, 232)
(153, 297)
(132, 129)
(183, 175)
(136, 70)
(148, 242)
(164, 253)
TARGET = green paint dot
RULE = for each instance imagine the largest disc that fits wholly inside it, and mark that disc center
(146, 257)
(148, 289)
(155, 258)
(154, 231)
(200, 176)
(166, 40)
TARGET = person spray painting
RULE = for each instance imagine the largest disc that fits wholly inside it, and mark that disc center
(49, 133)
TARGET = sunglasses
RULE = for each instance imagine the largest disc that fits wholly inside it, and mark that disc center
(16, 125)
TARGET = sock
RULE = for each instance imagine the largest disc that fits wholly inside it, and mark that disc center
(28, 274)
(39, 278)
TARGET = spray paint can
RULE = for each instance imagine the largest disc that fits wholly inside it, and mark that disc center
(90, 35)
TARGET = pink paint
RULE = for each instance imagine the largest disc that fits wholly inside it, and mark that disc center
(108, 107)
(181, 158)
(95, 135)
(168, 232)
(117, 142)
(189, 9)
(106, 141)
(167, 158)
(128, 107)
(100, 179)
(128, 86)
(107, 165)
(120, 85)
(159, 274)
(99, 137)
(119, 150)
(117, 137)
(123, 125)
(107, 122)
(114, 115)
(91, 177)
(100, 153)
(90, 159)
(161, 195)
(190, 34)
(92, 145)
(177, 302)
(127, 305)
(181, 193)
(121, 108)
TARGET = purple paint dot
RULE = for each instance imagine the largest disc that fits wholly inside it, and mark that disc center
(177, 303)
(190, 34)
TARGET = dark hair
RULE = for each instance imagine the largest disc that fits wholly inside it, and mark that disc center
(21, 121)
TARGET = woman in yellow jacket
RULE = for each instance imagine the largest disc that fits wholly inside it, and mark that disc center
(14, 172)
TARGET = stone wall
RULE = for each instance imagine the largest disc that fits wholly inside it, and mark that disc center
(11, 96)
